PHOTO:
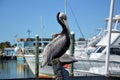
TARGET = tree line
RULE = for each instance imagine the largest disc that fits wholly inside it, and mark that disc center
(5, 45)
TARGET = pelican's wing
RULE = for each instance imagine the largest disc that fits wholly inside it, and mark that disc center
(58, 46)
(54, 49)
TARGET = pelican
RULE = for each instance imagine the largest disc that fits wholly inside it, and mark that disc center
(59, 45)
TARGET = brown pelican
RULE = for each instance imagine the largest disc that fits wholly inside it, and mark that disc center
(58, 46)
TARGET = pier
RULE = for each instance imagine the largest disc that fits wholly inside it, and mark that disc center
(8, 57)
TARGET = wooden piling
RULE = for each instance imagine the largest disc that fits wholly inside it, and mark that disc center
(72, 52)
(36, 55)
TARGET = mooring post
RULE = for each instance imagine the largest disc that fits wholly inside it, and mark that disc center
(72, 52)
(36, 55)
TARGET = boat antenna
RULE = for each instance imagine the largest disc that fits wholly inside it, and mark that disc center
(41, 26)
(117, 8)
(29, 31)
(65, 5)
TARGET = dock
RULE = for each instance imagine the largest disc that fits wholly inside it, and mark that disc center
(73, 78)
(8, 57)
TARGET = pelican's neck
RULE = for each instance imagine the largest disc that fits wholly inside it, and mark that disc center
(65, 30)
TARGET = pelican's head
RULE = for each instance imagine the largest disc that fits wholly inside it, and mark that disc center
(62, 16)
(62, 19)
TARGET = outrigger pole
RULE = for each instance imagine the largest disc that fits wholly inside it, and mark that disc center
(107, 72)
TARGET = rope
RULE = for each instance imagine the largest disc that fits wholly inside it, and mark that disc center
(76, 21)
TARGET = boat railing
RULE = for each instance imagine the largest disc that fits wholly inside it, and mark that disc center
(96, 67)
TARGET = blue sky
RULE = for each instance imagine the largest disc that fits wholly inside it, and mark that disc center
(17, 16)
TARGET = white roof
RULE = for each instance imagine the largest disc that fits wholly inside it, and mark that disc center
(114, 37)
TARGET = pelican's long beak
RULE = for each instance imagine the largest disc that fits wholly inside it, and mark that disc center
(67, 26)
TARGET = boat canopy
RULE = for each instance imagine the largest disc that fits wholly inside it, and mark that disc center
(115, 39)
(116, 18)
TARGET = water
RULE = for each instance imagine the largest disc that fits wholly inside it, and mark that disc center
(11, 69)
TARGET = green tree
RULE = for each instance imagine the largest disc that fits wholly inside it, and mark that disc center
(5, 45)
(81, 39)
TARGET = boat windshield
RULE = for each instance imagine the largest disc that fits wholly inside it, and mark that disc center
(115, 51)
(100, 49)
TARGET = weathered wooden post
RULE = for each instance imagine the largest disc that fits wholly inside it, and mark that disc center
(72, 52)
(36, 55)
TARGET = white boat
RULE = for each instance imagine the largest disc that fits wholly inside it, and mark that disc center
(46, 72)
(96, 62)
(85, 48)
(105, 60)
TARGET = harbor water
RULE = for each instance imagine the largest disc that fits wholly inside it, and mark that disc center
(13, 69)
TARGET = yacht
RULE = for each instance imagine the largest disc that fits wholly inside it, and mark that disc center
(85, 48)
(96, 61)
(46, 72)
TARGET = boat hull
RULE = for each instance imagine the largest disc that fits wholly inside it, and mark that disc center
(46, 72)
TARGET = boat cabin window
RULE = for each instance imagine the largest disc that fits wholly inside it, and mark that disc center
(115, 51)
(100, 49)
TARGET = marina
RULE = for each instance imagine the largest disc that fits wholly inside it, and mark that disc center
(62, 57)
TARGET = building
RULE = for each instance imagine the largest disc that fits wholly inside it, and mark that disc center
(25, 46)
(30, 42)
